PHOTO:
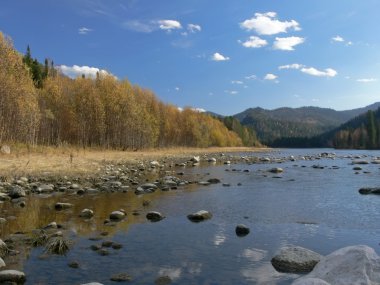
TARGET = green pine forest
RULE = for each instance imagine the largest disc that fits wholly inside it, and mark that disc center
(38, 105)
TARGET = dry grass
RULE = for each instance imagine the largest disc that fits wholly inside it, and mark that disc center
(71, 161)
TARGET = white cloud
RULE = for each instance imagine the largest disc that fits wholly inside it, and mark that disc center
(254, 42)
(291, 66)
(337, 39)
(169, 25)
(192, 28)
(328, 72)
(270, 76)
(76, 71)
(237, 82)
(251, 77)
(366, 80)
(268, 24)
(219, 57)
(84, 31)
(199, 110)
(176, 89)
(287, 43)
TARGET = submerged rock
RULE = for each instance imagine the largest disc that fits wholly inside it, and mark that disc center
(350, 265)
(12, 276)
(63, 206)
(121, 277)
(200, 216)
(154, 216)
(295, 259)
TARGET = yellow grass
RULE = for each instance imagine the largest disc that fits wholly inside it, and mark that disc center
(72, 161)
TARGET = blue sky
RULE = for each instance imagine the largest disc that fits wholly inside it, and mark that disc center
(219, 55)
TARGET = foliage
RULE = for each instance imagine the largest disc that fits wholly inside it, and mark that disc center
(38, 105)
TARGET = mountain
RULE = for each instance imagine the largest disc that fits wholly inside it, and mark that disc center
(304, 122)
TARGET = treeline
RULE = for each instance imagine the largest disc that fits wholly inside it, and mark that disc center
(40, 106)
(362, 132)
(247, 135)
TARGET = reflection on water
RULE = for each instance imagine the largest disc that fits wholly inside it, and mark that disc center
(311, 207)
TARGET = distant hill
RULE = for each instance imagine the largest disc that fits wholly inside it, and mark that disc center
(304, 122)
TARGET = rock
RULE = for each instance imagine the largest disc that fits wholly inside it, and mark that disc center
(86, 213)
(92, 283)
(2, 221)
(195, 159)
(154, 216)
(350, 265)
(5, 149)
(107, 243)
(154, 164)
(227, 162)
(121, 277)
(360, 161)
(45, 188)
(200, 216)
(212, 159)
(204, 183)
(74, 264)
(369, 190)
(163, 280)
(214, 181)
(16, 192)
(276, 170)
(52, 225)
(357, 168)
(117, 215)
(241, 230)
(3, 249)
(12, 276)
(2, 263)
(62, 206)
(295, 259)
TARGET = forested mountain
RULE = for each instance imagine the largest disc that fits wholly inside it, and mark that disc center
(362, 132)
(272, 126)
(40, 106)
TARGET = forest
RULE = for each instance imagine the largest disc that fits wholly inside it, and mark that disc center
(38, 105)
(362, 132)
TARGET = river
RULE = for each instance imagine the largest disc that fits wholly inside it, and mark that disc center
(314, 207)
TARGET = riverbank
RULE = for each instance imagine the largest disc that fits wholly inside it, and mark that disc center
(78, 161)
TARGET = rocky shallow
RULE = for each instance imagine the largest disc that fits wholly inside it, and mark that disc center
(142, 178)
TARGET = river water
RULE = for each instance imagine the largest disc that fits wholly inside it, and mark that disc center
(317, 208)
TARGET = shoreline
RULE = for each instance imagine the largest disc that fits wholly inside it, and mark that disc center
(80, 161)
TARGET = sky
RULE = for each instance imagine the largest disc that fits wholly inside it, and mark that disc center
(219, 55)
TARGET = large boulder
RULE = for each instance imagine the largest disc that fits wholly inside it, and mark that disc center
(10, 276)
(350, 265)
(295, 259)
(200, 216)
(86, 213)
